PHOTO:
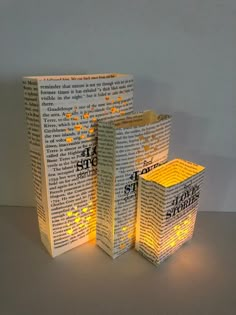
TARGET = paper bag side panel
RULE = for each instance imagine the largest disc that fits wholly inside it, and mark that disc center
(105, 192)
(32, 110)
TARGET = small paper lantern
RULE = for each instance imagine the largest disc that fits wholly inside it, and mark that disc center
(127, 147)
(167, 207)
(62, 114)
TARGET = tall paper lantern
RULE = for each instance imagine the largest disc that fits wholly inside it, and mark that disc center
(127, 147)
(167, 207)
(62, 114)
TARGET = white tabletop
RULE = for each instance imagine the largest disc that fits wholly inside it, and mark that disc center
(199, 279)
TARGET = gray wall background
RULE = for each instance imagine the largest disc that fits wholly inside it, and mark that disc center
(182, 54)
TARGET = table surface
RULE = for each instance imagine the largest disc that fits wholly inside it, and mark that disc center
(200, 278)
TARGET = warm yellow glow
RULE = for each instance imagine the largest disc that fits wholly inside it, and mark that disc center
(77, 220)
(70, 231)
(113, 110)
(78, 127)
(68, 115)
(90, 203)
(119, 99)
(85, 209)
(173, 172)
(75, 207)
(69, 139)
(94, 119)
(81, 225)
(82, 136)
(86, 115)
(124, 228)
(146, 147)
(88, 218)
(76, 118)
(91, 130)
(69, 213)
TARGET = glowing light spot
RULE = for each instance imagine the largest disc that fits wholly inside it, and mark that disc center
(69, 140)
(146, 147)
(78, 127)
(81, 225)
(139, 160)
(88, 218)
(69, 213)
(107, 98)
(94, 119)
(90, 203)
(86, 115)
(82, 136)
(172, 244)
(91, 130)
(91, 210)
(124, 228)
(85, 209)
(130, 235)
(122, 112)
(75, 207)
(119, 99)
(76, 118)
(186, 222)
(70, 231)
(113, 110)
(77, 220)
(68, 115)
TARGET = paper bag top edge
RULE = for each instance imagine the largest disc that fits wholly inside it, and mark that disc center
(173, 173)
(71, 77)
(137, 119)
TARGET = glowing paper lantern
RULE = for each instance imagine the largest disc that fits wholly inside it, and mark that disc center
(127, 147)
(167, 207)
(62, 114)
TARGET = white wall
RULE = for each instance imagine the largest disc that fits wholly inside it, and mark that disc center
(183, 56)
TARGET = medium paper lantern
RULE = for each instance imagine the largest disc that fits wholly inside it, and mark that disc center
(127, 147)
(167, 207)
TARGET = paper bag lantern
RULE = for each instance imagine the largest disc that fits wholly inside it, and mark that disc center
(167, 207)
(62, 114)
(127, 147)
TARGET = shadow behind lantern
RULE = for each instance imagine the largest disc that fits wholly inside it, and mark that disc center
(167, 206)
